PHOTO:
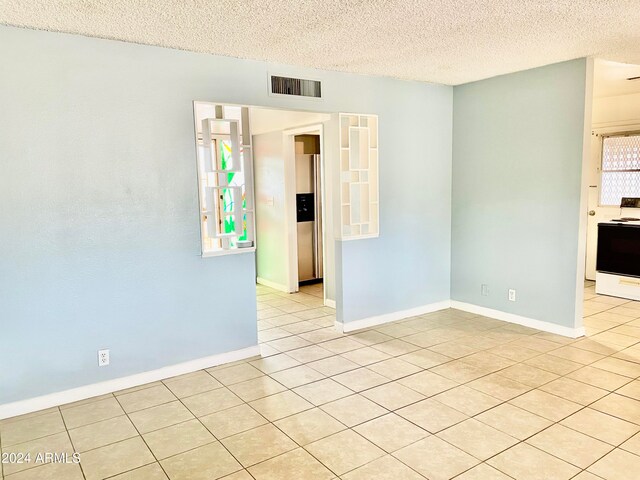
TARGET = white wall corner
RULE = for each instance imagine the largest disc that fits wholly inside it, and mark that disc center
(290, 216)
(330, 303)
(519, 320)
(392, 317)
(93, 390)
(584, 197)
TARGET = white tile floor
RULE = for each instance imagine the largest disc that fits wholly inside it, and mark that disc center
(438, 396)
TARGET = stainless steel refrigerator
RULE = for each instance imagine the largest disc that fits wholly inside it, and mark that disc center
(309, 217)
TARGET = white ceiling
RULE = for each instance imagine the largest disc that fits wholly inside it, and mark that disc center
(610, 78)
(443, 41)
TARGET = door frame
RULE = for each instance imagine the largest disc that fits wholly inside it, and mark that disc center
(290, 194)
(603, 212)
(578, 322)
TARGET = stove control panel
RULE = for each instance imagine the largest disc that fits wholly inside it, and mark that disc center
(630, 202)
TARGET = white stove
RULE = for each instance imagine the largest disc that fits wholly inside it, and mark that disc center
(618, 260)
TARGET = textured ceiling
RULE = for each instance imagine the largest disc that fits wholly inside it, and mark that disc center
(443, 41)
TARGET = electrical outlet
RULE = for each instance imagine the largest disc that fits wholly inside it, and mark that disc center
(512, 295)
(484, 290)
(103, 358)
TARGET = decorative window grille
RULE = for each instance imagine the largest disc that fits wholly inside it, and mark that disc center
(620, 174)
(359, 176)
(225, 180)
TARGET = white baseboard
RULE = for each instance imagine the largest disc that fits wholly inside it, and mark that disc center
(330, 303)
(517, 319)
(391, 317)
(274, 285)
(81, 393)
(93, 390)
(467, 307)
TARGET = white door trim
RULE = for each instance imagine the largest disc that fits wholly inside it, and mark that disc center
(292, 227)
(584, 199)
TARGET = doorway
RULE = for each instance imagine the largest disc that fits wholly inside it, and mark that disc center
(615, 134)
(611, 171)
(292, 229)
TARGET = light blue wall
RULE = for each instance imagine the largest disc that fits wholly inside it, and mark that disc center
(412, 254)
(99, 231)
(517, 162)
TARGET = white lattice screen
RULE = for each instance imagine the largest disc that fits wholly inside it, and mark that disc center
(225, 177)
(359, 175)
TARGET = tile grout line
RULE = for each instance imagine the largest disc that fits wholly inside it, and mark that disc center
(534, 388)
(142, 438)
(64, 422)
(446, 328)
(242, 467)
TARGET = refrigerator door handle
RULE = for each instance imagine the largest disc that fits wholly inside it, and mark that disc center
(317, 230)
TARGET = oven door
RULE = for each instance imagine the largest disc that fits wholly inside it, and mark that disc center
(618, 249)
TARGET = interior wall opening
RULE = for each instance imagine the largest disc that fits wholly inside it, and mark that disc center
(612, 259)
(293, 225)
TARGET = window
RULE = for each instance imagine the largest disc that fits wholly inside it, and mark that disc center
(225, 181)
(620, 168)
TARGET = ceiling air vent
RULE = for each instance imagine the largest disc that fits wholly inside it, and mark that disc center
(295, 86)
